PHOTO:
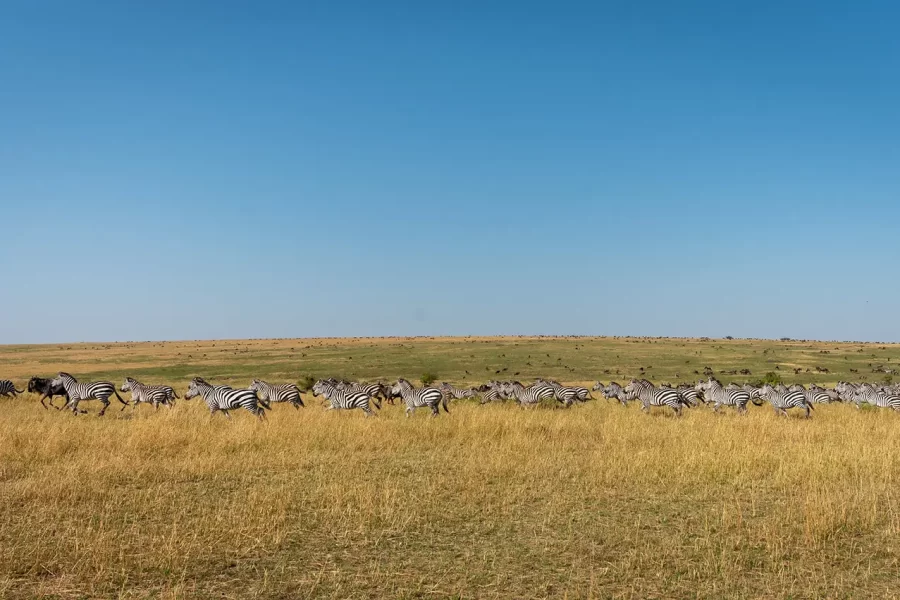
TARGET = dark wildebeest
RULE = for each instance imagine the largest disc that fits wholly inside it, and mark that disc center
(46, 389)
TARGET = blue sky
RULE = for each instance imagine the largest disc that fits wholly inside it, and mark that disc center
(237, 169)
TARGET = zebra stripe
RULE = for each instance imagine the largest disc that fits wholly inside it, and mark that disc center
(372, 390)
(714, 392)
(342, 399)
(284, 392)
(224, 398)
(150, 394)
(415, 398)
(528, 396)
(96, 390)
(651, 396)
(783, 400)
(455, 392)
(8, 388)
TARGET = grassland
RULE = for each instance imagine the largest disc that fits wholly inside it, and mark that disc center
(489, 501)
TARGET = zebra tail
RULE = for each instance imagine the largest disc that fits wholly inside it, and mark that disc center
(119, 397)
(444, 402)
(174, 393)
(376, 402)
(19, 391)
(810, 404)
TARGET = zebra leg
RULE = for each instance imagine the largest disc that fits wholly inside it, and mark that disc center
(103, 410)
(409, 410)
(716, 407)
(434, 410)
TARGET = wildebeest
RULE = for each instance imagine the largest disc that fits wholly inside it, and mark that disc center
(45, 387)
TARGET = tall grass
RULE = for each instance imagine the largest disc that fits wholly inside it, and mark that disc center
(488, 501)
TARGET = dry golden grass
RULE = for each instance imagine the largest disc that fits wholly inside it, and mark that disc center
(487, 502)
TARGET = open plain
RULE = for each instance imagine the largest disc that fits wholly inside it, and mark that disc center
(492, 501)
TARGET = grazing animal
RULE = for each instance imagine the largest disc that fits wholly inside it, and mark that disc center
(46, 388)
(652, 396)
(615, 391)
(150, 394)
(96, 390)
(342, 399)
(415, 398)
(783, 400)
(868, 394)
(714, 392)
(225, 398)
(8, 388)
(285, 392)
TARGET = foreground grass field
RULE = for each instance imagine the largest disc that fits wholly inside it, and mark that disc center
(488, 501)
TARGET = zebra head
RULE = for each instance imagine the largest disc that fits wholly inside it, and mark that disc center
(126, 385)
(196, 388)
(320, 388)
(597, 386)
(255, 385)
(401, 386)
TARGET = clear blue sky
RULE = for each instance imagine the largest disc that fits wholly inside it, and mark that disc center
(174, 170)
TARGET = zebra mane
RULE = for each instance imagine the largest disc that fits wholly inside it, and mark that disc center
(200, 380)
(64, 374)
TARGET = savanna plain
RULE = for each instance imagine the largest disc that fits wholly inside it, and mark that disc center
(494, 501)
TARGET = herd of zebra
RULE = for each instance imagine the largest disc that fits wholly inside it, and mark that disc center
(339, 394)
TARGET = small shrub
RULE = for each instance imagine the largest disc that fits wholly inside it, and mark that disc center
(888, 379)
(306, 382)
(729, 337)
(772, 378)
(428, 378)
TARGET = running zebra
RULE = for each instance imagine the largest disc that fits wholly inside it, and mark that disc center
(731, 396)
(97, 390)
(225, 398)
(490, 392)
(455, 392)
(372, 390)
(867, 393)
(149, 394)
(813, 395)
(284, 392)
(649, 396)
(690, 394)
(342, 399)
(527, 396)
(426, 396)
(567, 394)
(781, 401)
(8, 388)
(614, 391)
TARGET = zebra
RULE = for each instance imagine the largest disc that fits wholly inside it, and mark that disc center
(731, 396)
(426, 396)
(528, 396)
(846, 391)
(8, 388)
(832, 395)
(868, 394)
(563, 394)
(649, 396)
(285, 392)
(813, 395)
(99, 390)
(582, 394)
(151, 394)
(490, 392)
(342, 399)
(225, 398)
(781, 401)
(455, 392)
(372, 390)
(689, 393)
(616, 392)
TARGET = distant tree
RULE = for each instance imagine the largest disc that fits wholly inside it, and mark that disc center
(728, 337)
(772, 378)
